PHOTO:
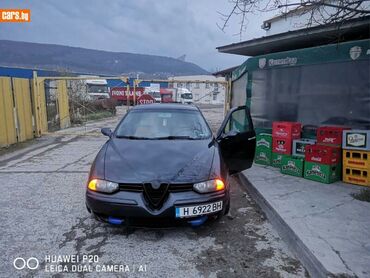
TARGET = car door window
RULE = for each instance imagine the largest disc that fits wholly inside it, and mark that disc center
(238, 122)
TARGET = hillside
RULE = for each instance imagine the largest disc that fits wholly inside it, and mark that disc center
(76, 59)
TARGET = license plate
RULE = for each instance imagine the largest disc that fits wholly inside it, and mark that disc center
(182, 212)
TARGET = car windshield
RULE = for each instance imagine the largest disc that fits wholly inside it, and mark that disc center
(169, 124)
(97, 89)
(155, 94)
(187, 96)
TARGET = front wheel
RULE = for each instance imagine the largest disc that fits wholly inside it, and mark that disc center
(227, 209)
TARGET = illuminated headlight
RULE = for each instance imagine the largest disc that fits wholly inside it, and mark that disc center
(209, 186)
(103, 186)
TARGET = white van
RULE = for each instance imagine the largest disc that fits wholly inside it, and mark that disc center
(183, 96)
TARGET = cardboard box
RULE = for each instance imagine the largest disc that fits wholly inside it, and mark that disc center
(299, 145)
(287, 130)
(356, 140)
(292, 165)
(322, 172)
(323, 154)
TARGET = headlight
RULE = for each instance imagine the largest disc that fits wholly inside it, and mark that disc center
(209, 186)
(103, 186)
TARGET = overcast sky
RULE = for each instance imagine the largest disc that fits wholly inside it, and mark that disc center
(166, 27)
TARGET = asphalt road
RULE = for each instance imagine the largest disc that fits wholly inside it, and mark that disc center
(43, 216)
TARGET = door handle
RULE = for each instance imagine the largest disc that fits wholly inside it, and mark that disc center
(251, 138)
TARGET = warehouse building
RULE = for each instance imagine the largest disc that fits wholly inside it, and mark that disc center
(205, 88)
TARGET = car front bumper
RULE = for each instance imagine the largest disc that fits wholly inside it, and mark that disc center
(134, 205)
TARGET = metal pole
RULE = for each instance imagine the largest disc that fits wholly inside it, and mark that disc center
(134, 92)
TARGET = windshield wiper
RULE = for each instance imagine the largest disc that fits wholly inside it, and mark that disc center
(133, 137)
(172, 137)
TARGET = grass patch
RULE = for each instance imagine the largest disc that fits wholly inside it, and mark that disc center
(98, 115)
(363, 195)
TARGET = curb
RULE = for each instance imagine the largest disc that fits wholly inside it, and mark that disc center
(295, 244)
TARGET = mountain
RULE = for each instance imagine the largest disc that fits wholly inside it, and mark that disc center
(83, 60)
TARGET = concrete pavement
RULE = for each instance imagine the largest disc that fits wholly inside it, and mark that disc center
(323, 224)
(43, 214)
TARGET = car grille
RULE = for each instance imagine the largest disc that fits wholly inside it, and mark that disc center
(156, 197)
(173, 188)
(131, 187)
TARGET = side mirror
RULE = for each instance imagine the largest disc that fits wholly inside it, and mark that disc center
(106, 131)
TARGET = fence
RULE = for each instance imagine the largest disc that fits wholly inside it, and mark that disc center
(23, 109)
(31, 107)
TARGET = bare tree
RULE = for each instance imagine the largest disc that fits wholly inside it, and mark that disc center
(319, 11)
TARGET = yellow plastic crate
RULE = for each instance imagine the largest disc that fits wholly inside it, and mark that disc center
(356, 176)
(356, 159)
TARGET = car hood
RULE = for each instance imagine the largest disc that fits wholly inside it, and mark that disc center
(172, 161)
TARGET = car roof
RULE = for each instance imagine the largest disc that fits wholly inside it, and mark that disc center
(165, 106)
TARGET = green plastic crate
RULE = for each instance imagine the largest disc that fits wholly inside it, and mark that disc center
(276, 159)
(322, 172)
(292, 165)
(263, 149)
(266, 130)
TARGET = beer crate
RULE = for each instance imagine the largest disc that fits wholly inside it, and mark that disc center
(323, 154)
(299, 146)
(282, 145)
(356, 140)
(276, 159)
(322, 172)
(356, 176)
(330, 135)
(288, 130)
(356, 159)
(265, 130)
(292, 165)
(263, 156)
(263, 149)
(309, 131)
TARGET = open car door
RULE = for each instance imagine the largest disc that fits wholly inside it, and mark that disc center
(237, 139)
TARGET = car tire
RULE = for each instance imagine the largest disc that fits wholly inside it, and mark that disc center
(227, 209)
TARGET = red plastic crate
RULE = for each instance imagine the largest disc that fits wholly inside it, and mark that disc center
(291, 130)
(282, 145)
(331, 135)
(323, 154)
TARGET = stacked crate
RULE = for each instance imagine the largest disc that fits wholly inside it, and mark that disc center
(263, 149)
(323, 160)
(356, 157)
(283, 134)
(294, 165)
